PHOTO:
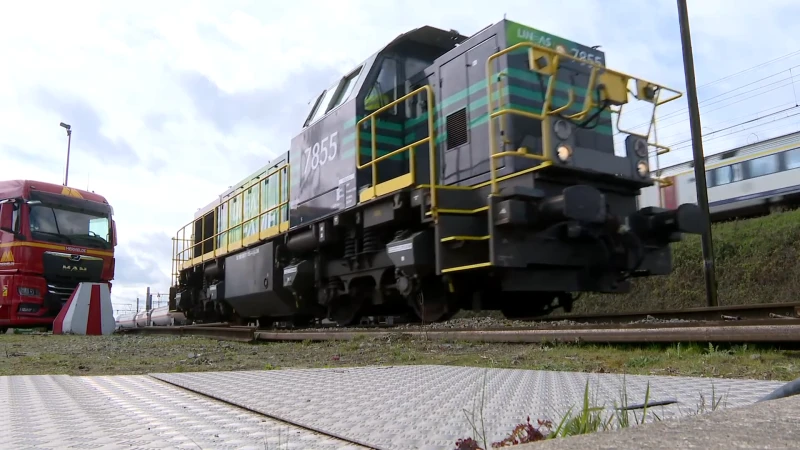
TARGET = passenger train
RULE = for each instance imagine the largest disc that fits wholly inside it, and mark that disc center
(747, 181)
(445, 172)
(161, 316)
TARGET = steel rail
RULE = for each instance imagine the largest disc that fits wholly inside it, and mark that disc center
(757, 311)
(753, 331)
(653, 334)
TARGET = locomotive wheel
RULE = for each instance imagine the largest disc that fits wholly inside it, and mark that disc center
(432, 304)
(346, 310)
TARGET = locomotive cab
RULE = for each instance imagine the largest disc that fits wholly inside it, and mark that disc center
(328, 173)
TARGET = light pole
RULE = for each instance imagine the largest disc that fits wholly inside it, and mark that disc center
(69, 141)
(699, 158)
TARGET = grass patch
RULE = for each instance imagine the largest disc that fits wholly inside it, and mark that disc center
(139, 354)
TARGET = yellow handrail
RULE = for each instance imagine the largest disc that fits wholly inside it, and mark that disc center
(180, 257)
(411, 148)
(546, 61)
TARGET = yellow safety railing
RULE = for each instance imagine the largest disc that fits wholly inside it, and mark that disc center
(377, 189)
(546, 61)
(183, 245)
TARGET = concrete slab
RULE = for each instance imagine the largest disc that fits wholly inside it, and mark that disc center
(767, 425)
(426, 407)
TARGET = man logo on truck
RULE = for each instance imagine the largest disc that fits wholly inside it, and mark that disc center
(7, 258)
(73, 268)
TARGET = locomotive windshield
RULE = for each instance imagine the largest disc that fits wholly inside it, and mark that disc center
(53, 223)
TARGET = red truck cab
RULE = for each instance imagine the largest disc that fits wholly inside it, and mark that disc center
(52, 238)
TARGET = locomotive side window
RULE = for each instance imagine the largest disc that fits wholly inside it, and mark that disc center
(222, 224)
(384, 90)
(347, 88)
(322, 107)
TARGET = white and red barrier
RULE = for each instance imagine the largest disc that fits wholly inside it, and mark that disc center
(88, 311)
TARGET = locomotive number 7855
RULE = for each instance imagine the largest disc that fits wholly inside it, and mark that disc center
(320, 153)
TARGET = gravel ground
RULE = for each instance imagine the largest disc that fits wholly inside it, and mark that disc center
(136, 354)
(493, 323)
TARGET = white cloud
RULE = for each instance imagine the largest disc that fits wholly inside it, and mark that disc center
(202, 91)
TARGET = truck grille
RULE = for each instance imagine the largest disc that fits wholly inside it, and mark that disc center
(62, 290)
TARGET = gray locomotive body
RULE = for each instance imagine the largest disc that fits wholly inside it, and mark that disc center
(444, 173)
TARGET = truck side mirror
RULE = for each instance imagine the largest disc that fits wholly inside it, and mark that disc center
(114, 232)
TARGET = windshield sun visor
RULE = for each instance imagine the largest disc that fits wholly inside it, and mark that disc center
(78, 204)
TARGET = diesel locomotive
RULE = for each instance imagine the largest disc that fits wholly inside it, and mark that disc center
(445, 172)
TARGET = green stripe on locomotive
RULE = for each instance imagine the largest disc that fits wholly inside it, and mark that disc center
(527, 100)
(522, 90)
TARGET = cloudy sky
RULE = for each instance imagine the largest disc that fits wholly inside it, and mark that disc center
(173, 101)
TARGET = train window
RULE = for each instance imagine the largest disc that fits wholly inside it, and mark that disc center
(347, 88)
(322, 108)
(384, 91)
(738, 172)
(793, 159)
(415, 66)
(764, 165)
(724, 175)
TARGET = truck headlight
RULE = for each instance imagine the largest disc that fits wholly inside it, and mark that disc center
(27, 291)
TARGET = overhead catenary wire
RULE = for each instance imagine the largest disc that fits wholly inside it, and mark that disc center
(745, 129)
(727, 77)
(784, 82)
(725, 103)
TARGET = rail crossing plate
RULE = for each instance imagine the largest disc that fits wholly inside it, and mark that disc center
(423, 407)
(135, 412)
(426, 407)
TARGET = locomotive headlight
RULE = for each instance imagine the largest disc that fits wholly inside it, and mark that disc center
(640, 147)
(564, 152)
(643, 169)
(562, 129)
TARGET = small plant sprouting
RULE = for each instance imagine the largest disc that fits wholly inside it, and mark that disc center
(525, 432)
(588, 420)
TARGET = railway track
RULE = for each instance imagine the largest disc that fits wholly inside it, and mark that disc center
(732, 312)
(773, 323)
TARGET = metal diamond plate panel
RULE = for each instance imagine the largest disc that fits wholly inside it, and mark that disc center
(424, 407)
(134, 412)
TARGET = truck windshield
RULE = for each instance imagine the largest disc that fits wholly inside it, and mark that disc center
(54, 224)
